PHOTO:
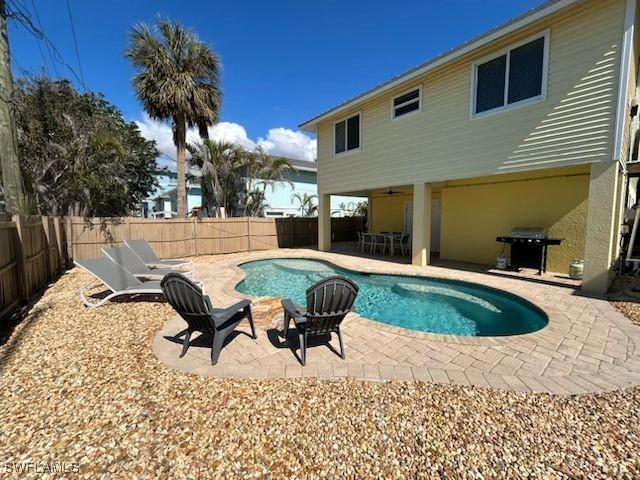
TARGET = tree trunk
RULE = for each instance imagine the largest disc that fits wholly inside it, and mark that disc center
(205, 191)
(180, 138)
(11, 176)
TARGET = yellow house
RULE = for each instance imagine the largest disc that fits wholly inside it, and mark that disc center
(526, 125)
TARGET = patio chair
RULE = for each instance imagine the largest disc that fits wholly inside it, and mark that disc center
(116, 278)
(403, 241)
(382, 242)
(368, 241)
(143, 250)
(195, 308)
(127, 258)
(328, 302)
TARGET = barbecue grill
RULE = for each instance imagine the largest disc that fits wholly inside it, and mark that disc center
(529, 247)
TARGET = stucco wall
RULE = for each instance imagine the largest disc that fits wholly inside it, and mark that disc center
(475, 212)
(388, 213)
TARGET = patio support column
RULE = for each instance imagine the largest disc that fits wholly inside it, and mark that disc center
(421, 235)
(599, 249)
(324, 222)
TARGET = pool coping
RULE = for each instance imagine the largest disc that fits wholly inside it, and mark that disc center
(587, 346)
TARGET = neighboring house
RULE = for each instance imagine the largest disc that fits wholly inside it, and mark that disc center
(303, 180)
(527, 125)
(162, 202)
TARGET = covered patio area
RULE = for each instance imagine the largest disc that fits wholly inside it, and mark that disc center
(460, 221)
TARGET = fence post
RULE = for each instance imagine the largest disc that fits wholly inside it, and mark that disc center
(44, 222)
(56, 229)
(195, 235)
(249, 231)
(68, 227)
(21, 260)
(128, 220)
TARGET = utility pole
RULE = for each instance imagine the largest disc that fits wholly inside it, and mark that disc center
(9, 166)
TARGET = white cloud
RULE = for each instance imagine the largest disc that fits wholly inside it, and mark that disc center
(278, 141)
(231, 132)
(286, 142)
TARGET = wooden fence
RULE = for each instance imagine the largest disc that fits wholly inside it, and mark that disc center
(303, 232)
(34, 250)
(175, 238)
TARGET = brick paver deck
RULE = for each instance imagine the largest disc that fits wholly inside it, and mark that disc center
(588, 346)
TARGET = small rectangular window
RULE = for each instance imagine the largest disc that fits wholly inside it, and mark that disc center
(511, 78)
(407, 103)
(347, 134)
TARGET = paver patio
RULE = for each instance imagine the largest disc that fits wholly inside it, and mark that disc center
(588, 346)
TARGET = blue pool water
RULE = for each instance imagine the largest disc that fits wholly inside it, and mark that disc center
(424, 304)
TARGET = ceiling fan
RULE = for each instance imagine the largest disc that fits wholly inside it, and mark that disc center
(392, 192)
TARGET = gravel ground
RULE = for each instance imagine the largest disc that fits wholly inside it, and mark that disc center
(81, 390)
(625, 296)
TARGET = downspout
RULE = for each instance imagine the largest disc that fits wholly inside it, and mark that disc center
(623, 83)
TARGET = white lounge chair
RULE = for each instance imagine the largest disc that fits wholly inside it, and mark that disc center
(125, 257)
(143, 250)
(115, 278)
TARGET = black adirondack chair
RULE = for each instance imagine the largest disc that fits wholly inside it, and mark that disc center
(195, 307)
(328, 302)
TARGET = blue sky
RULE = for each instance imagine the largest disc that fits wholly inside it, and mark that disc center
(284, 61)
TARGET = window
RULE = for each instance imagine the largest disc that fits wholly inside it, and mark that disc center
(511, 78)
(406, 103)
(347, 134)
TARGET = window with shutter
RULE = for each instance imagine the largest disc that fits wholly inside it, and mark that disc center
(525, 71)
(515, 77)
(491, 82)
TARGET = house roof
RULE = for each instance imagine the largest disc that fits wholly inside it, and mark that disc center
(531, 16)
(303, 165)
(296, 163)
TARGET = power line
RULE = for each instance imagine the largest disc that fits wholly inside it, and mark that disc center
(53, 63)
(75, 40)
(17, 13)
(44, 60)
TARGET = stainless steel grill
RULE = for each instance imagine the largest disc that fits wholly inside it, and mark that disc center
(538, 233)
(529, 247)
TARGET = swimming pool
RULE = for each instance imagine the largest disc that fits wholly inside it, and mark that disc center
(417, 303)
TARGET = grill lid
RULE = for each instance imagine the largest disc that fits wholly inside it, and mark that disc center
(529, 232)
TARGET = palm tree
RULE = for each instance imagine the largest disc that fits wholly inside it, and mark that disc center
(265, 170)
(256, 203)
(178, 80)
(307, 207)
(221, 164)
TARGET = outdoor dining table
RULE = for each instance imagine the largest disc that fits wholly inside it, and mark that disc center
(391, 237)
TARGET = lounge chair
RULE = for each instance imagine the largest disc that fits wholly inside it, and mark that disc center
(127, 258)
(195, 308)
(115, 278)
(328, 302)
(143, 250)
